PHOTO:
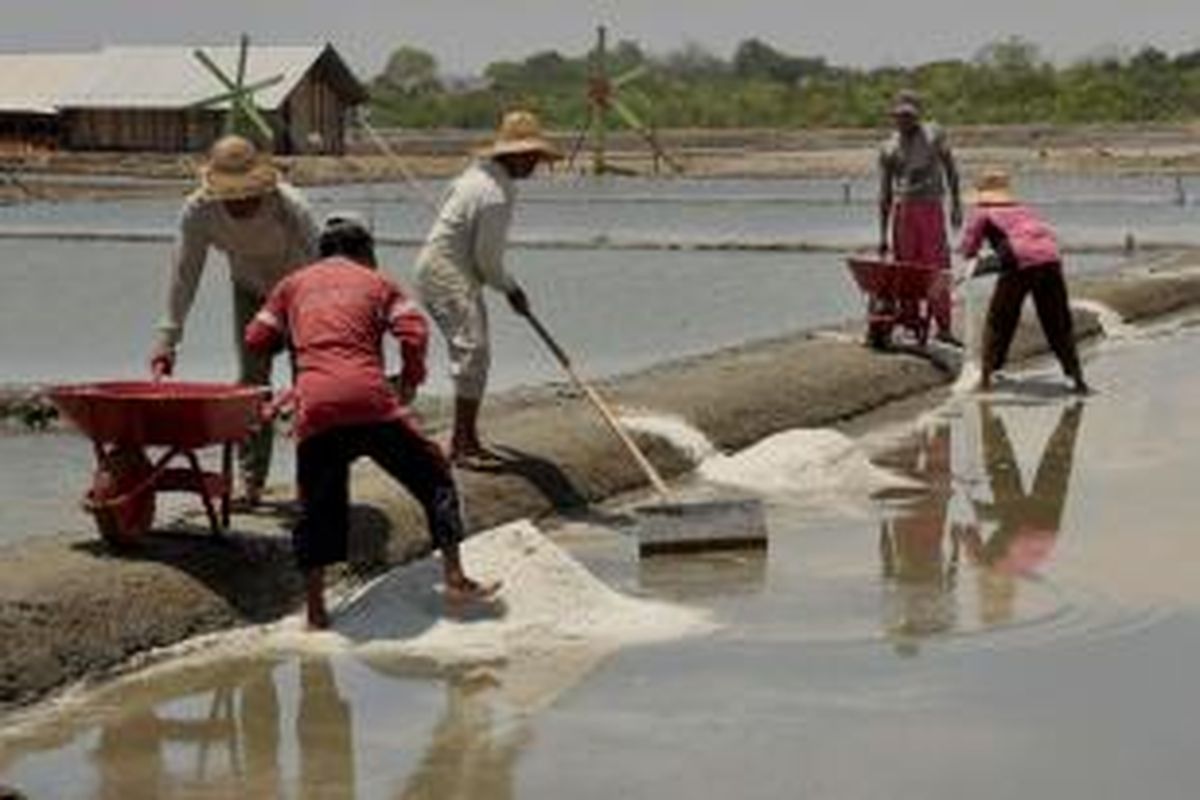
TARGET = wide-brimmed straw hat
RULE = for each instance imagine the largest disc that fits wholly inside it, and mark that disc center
(521, 132)
(993, 187)
(236, 170)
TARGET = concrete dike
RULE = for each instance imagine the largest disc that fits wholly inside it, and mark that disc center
(71, 608)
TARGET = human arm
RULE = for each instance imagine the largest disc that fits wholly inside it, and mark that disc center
(267, 330)
(492, 222)
(304, 227)
(406, 322)
(886, 183)
(973, 234)
(187, 265)
(946, 156)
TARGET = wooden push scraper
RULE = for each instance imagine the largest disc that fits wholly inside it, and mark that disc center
(671, 525)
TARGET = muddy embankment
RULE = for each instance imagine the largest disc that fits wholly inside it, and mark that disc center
(70, 607)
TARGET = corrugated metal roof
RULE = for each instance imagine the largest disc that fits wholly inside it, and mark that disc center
(148, 77)
(33, 83)
(171, 77)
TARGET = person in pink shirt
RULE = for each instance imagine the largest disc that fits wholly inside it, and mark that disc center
(1030, 263)
(333, 316)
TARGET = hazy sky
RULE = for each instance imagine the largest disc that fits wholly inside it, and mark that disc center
(466, 34)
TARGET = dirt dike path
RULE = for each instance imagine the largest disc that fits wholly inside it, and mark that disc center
(71, 608)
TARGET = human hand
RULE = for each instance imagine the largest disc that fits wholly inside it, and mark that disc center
(162, 361)
(519, 302)
(405, 388)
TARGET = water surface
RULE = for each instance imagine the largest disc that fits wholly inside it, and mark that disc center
(1022, 626)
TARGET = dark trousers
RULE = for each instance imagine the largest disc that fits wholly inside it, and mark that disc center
(1045, 282)
(323, 474)
(254, 369)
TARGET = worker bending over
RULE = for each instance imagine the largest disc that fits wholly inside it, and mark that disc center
(266, 230)
(333, 315)
(1029, 263)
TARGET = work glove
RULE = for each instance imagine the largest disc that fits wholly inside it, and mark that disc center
(162, 361)
(518, 301)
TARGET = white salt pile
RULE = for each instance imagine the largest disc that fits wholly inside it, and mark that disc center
(1111, 322)
(548, 602)
(818, 461)
(815, 463)
(680, 433)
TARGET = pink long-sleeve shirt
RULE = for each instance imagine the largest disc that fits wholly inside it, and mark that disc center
(1015, 232)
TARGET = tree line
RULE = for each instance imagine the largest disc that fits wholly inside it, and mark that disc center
(761, 86)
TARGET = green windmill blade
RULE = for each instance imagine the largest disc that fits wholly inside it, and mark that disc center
(243, 117)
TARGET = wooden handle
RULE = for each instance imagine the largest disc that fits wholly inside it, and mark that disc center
(606, 413)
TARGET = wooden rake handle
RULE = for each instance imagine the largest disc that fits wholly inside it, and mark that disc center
(606, 413)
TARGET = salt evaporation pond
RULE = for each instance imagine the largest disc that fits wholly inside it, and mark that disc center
(78, 310)
(1023, 626)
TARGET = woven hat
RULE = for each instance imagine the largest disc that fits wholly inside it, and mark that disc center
(993, 187)
(236, 170)
(521, 132)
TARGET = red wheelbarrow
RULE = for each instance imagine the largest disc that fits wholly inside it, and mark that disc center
(128, 421)
(898, 293)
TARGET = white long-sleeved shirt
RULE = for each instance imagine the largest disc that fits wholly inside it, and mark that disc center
(471, 229)
(281, 237)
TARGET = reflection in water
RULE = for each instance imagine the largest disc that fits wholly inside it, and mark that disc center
(471, 753)
(920, 547)
(1026, 523)
(211, 732)
(232, 745)
(918, 571)
(324, 731)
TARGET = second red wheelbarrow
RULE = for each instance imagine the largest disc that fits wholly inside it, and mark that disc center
(898, 293)
(146, 436)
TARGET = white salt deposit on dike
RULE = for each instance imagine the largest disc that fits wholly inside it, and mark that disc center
(548, 602)
(810, 462)
(1111, 322)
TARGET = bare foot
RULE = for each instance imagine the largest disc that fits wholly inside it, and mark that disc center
(463, 588)
(474, 457)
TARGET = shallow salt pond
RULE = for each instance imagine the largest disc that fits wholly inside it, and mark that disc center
(1024, 625)
(80, 310)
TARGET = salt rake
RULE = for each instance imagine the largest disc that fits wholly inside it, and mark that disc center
(671, 526)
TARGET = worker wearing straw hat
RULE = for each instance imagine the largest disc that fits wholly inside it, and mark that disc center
(916, 168)
(464, 252)
(266, 230)
(1029, 263)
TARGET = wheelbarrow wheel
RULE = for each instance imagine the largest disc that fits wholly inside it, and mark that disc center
(121, 500)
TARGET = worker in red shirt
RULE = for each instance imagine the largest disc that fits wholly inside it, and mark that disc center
(333, 315)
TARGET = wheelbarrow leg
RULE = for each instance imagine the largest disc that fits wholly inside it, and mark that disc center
(227, 482)
(214, 520)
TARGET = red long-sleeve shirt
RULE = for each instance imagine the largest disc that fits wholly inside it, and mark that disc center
(334, 314)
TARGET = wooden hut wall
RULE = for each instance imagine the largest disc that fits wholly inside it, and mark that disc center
(161, 130)
(313, 118)
(24, 133)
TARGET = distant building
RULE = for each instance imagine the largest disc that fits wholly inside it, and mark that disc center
(142, 98)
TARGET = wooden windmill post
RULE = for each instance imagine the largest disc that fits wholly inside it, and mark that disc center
(243, 118)
(602, 98)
